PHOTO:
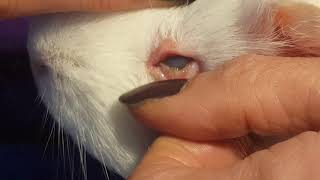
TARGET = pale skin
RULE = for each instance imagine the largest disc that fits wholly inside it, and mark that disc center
(265, 95)
(15, 8)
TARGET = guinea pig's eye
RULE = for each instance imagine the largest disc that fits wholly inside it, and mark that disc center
(175, 67)
(177, 62)
(168, 62)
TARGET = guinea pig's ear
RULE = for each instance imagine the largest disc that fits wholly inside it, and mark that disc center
(300, 24)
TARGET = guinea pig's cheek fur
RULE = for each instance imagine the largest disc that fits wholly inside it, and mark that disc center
(39, 68)
(297, 23)
(160, 71)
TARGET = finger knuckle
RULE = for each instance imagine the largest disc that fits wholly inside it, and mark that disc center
(248, 57)
(243, 68)
(246, 61)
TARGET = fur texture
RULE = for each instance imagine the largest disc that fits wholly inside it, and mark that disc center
(83, 62)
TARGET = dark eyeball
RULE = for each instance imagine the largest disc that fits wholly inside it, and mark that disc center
(177, 62)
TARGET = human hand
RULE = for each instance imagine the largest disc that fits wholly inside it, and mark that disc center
(253, 94)
(11, 8)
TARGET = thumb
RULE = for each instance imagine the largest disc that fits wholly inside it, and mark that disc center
(14, 8)
(258, 94)
(174, 159)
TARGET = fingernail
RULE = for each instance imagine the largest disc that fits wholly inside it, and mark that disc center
(153, 90)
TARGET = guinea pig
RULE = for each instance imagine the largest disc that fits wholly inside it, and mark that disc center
(83, 62)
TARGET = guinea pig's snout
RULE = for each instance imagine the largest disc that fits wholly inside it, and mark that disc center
(168, 62)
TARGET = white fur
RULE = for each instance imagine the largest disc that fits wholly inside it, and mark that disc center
(91, 59)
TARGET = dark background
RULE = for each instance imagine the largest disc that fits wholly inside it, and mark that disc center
(27, 151)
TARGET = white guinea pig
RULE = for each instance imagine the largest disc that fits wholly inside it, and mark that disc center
(82, 63)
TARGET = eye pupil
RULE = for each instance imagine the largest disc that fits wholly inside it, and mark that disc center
(177, 62)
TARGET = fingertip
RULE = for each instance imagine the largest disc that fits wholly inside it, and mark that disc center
(183, 114)
(154, 90)
(11, 9)
(174, 158)
(164, 115)
(118, 5)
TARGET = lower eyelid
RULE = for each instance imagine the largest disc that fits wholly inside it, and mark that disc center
(163, 72)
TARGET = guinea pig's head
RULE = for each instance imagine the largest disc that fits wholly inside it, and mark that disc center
(82, 63)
